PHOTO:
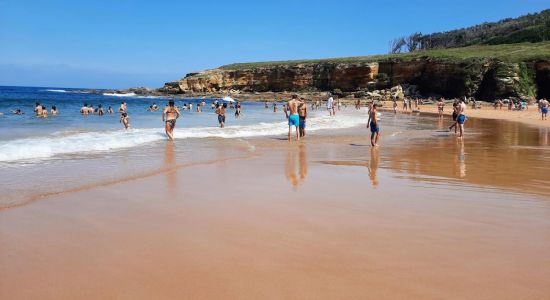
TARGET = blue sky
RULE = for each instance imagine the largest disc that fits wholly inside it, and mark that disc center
(118, 44)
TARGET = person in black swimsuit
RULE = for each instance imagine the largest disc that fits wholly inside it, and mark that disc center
(169, 116)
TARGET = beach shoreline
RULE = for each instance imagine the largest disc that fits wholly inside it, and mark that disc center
(277, 230)
(529, 117)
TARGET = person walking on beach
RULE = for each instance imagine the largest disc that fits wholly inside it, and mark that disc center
(293, 118)
(455, 115)
(404, 104)
(395, 106)
(169, 116)
(544, 108)
(302, 112)
(461, 118)
(373, 124)
(440, 106)
(220, 111)
(125, 120)
(330, 106)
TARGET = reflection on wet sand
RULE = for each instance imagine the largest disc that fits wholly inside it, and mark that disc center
(460, 158)
(170, 166)
(373, 165)
(296, 165)
(493, 153)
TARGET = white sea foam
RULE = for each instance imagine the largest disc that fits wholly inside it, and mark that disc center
(56, 91)
(85, 142)
(120, 95)
(65, 91)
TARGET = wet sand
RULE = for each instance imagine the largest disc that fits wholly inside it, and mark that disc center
(324, 218)
(530, 117)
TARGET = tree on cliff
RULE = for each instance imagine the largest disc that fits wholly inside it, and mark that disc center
(396, 45)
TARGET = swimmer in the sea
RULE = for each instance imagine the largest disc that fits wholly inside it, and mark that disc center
(38, 109)
(110, 110)
(122, 108)
(125, 120)
(44, 112)
(54, 111)
(100, 110)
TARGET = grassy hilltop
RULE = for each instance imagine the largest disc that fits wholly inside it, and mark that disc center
(506, 52)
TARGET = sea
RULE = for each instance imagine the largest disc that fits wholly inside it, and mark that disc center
(40, 157)
(29, 139)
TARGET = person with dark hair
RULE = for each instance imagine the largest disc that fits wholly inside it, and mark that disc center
(125, 120)
(220, 111)
(44, 112)
(100, 110)
(122, 108)
(169, 116)
(54, 111)
(302, 112)
(374, 126)
(38, 109)
(238, 109)
(110, 110)
(455, 115)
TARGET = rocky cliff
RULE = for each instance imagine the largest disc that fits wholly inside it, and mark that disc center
(483, 78)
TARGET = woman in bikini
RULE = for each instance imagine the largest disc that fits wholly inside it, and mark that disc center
(169, 116)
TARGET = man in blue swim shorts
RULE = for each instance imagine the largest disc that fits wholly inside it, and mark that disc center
(544, 108)
(293, 118)
(461, 118)
(373, 124)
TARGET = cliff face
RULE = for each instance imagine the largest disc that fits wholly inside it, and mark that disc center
(485, 79)
(347, 77)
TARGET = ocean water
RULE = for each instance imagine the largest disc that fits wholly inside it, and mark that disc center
(29, 139)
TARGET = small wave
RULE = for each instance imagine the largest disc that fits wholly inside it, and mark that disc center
(84, 142)
(120, 95)
(56, 91)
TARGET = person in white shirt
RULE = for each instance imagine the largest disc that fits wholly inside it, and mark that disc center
(330, 106)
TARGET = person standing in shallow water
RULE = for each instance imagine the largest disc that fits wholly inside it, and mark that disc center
(220, 111)
(302, 112)
(440, 106)
(544, 108)
(461, 118)
(293, 118)
(125, 120)
(373, 124)
(169, 116)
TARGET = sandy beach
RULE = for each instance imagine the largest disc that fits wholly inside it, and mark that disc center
(325, 218)
(530, 116)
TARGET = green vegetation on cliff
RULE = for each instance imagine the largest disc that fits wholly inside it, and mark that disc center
(520, 52)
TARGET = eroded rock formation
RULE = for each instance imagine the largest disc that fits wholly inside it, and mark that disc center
(485, 79)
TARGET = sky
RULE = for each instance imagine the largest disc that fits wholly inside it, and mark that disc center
(123, 43)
